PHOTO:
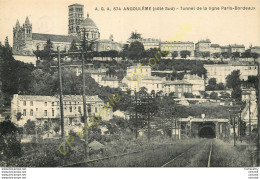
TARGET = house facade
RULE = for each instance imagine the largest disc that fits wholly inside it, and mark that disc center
(46, 109)
(221, 71)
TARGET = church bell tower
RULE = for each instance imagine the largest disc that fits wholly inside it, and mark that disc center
(76, 16)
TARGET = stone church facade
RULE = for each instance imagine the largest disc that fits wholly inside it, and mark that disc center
(25, 41)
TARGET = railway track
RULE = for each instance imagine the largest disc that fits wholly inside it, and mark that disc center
(111, 157)
(168, 164)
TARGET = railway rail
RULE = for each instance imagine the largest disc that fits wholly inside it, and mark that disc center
(167, 164)
(115, 156)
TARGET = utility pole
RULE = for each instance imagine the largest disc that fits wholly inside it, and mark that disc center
(61, 95)
(148, 122)
(171, 116)
(136, 129)
(175, 130)
(149, 102)
(179, 133)
(84, 55)
(234, 132)
(239, 125)
(249, 125)
(190, 128)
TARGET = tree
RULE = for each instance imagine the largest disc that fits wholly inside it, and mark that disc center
(10, 144)
(216, 55)
(113, 54)
(246, 54)
(159, 93)
(43, 83)
(205, 54)
(73, 46)
(7, 42)
(220, 86)
(188, 95)
(204, 94)
(255, 56)
(236, 93)
(224, 95)
(136, 51)
(175, 54)
(211, 84)
(185, 53)
(198, 68)
(242, 128)
(56, 129)
(198, 54)
(225, 55)
(233, 81)
(213, 95)
(49, 45)
(45, 53)
(135, 36)
(124, 51)
(15, 75)
(18, 116)
(212, 81)
(111, 71)
(236, 54)
(143, 90)
(178, 76)
(30, 127)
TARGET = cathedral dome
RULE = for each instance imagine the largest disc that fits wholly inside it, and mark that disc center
(88, 23)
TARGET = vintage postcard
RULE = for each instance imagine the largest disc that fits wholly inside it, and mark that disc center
(129, 83)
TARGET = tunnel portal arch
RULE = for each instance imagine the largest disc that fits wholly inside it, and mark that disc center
(207, 130)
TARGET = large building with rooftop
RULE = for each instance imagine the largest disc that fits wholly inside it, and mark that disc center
(25, 41)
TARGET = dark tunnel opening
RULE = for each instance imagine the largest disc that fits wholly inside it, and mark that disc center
(207, 132)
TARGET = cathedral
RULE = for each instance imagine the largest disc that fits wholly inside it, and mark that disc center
(25, 41)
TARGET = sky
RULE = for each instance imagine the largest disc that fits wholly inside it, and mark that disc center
(221, 26)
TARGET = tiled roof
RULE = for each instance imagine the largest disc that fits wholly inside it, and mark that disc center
(204, 41)
(139, 66)
(56, 98)
(215, 45)
(177, 42)
(237, 46)
(178, 82)
(152, 78)
(107, 78)
(54, 38)
(224, 47)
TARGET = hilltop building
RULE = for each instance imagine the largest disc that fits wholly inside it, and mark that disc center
(207, 46)
(25, 41)
(221, 71)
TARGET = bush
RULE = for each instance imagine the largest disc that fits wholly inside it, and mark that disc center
(188, 95)
(213, 95)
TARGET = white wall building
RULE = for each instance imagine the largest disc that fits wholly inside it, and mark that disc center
(221, 71)
(111, 82)
(46, 109)
(153, 83)
(139, 70)
(198, 83)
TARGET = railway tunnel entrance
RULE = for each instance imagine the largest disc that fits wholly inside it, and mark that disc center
(207, 130)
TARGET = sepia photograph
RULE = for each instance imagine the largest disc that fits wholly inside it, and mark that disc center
(129, 83)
